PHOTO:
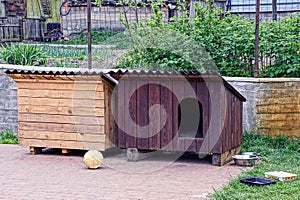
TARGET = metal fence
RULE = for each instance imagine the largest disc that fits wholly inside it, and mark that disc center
(269, 9)
(35, 19)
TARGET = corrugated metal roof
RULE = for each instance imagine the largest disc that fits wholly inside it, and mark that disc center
(161, 73)
(207, 76)
(111, 74)
(18, 69)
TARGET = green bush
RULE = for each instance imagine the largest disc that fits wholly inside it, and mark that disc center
(280, 41)
(229, 41)
(23, 55)
(7, 137)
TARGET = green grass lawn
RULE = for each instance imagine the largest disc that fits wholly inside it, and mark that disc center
(278, 154)
(7, 137)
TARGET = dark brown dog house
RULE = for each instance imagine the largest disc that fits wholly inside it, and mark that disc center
(200, 113)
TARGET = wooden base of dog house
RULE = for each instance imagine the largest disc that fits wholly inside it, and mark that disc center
(35, 150)
(221, 159)
(38, 150)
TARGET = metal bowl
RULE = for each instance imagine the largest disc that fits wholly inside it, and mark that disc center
(251, 154)
(244, 160)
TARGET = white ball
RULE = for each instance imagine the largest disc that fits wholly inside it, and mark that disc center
(93, 159)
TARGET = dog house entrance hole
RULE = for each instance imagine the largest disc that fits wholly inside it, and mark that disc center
(190, 118)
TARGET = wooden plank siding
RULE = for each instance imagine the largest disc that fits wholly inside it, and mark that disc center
(222, 130)
(131, 97)
(166, 100)
(62, 111)
(143, 114)
(204, 98)
(121, 115)
(178, 86)
(154, 116)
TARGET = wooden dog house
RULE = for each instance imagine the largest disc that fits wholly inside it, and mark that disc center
(64, 108)
(219, 127)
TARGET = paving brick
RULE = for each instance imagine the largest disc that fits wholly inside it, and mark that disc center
(54, 176)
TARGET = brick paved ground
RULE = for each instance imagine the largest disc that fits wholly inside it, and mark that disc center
(54, 176)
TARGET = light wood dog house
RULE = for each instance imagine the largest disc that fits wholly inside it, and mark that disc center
(64, 108)
(185, 98)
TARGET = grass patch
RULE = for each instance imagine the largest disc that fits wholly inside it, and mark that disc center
(98, 37)
(7, 137)
(278, 154)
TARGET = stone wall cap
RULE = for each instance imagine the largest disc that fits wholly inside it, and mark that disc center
(261, 80)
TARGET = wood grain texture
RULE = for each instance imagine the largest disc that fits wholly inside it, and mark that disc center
(67, 112)
(131, 107)
(166, 134)
(121, 114)
(62, 119)
(55, 110)
(59, 85)
(154, 124)
(178, 86)
(62, 144)
(61, 136)
(204, 98)
(81, 103)
(61, 94)
(70, 128)
(142, 115)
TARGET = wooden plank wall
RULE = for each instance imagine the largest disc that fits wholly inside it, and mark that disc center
(32, 29)
(110, 125)
(232, 128)
(10, 29)
(147, 96)
(62, 112)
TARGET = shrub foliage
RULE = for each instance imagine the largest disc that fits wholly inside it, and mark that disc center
(21, 54)
(229, 40)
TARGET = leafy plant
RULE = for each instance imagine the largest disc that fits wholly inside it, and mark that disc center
(21, 54)
(228, 40)
(280, 40)
(278, 154)
(7, 137)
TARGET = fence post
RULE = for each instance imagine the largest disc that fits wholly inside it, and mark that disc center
(274, 9)
(89, 38)
(256, 67)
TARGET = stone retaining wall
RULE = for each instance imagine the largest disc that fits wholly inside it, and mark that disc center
(8, 104)
(273, 105)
